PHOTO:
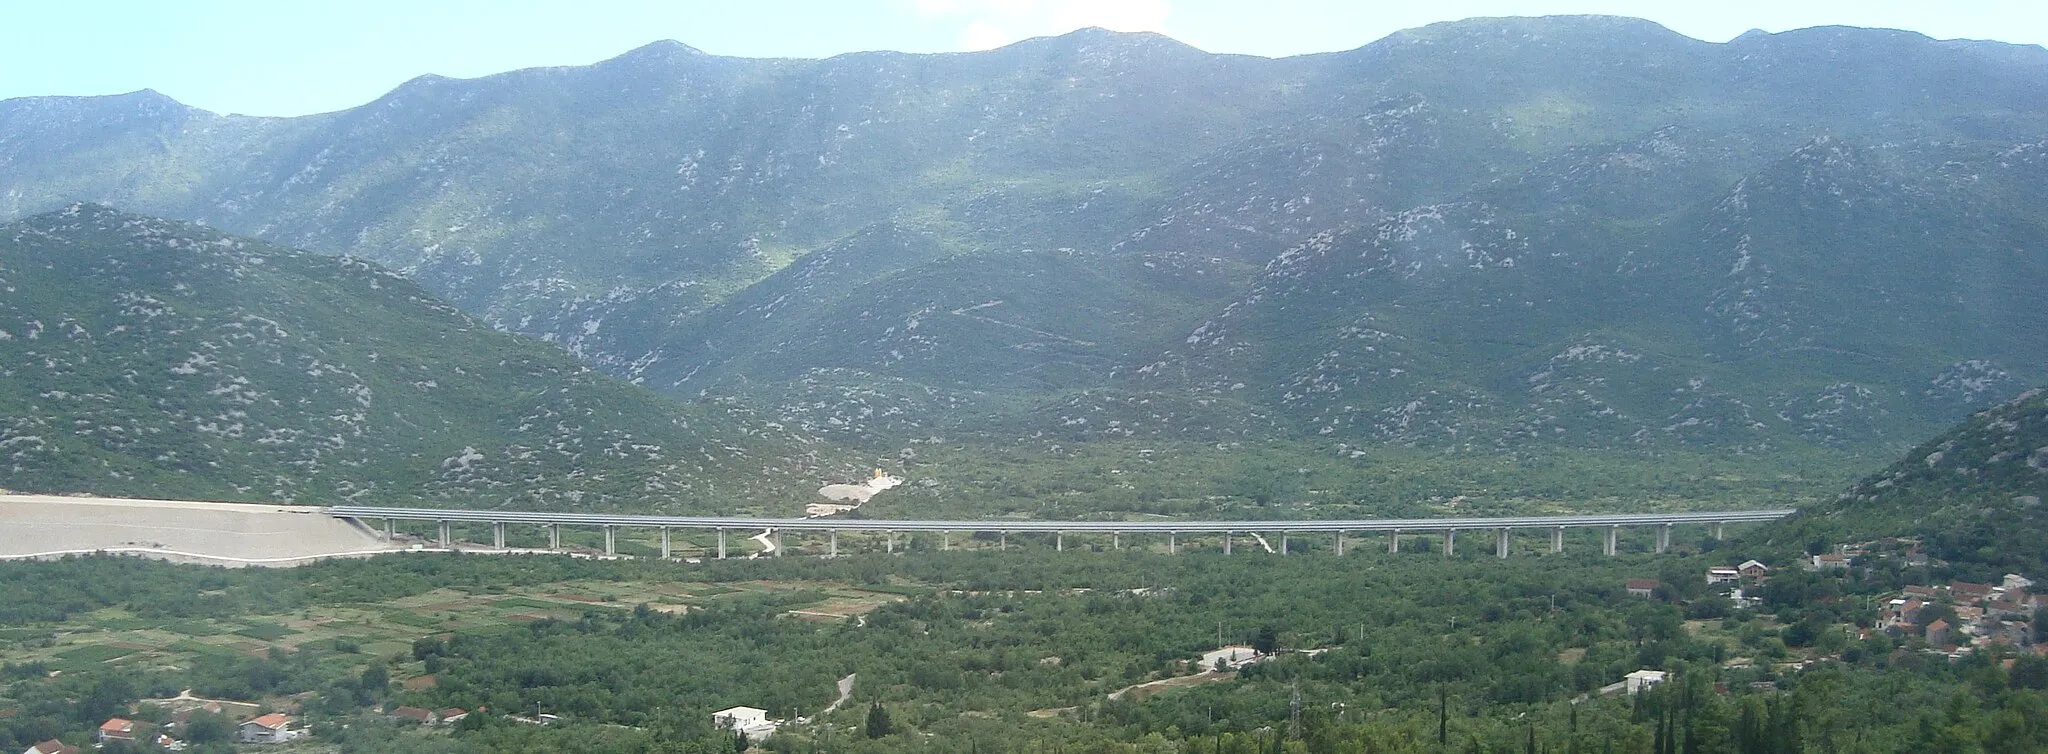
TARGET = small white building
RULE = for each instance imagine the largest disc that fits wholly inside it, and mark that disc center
(749, 720)
(1723, 575)
(1225, 658)
(273, 728)
(1641, 680)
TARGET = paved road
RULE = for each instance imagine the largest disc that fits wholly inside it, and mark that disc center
(1013, 525)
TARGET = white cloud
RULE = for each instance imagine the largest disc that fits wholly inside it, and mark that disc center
(986, 24)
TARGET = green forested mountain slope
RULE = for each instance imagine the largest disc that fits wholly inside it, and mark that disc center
(1841, 296)
(1496, 233)
(150, 358)
(1972, 495)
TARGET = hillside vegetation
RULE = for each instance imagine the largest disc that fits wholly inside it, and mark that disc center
(1972, 494)
(156, 359)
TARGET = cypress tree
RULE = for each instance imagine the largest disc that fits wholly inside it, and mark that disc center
(878, 721)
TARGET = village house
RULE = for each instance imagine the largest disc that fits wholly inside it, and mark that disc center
(1830, 561)
(415, 715)
(451, 716)
(1970, 619)
(1644, 588)
(274, 728)
(115, 729)
(1922, 592)
(1723, 575)
(1966, 593)
(52, 746)
(1900, 612)
(2006, 608)
(1754, 571)
(1937, 633)
(748, 720)
(1641, 681)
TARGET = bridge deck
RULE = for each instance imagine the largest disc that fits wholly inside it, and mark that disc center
(1008, 525)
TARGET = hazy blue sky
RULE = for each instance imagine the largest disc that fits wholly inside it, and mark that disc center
(285, 57)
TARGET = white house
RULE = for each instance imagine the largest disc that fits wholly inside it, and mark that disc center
(738, 717)
(1823, 562)
(1723, 575)
(273, 728)
(749, 720)
(1641, 680)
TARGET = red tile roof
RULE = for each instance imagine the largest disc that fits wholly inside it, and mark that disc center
(273, 721)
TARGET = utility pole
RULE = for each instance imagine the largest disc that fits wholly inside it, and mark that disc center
(1294, 712)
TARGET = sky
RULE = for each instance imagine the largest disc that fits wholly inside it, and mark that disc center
(284, 57)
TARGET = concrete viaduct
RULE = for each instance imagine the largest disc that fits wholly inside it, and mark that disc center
(1611, 524)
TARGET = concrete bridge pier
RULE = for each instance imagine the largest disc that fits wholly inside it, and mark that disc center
(444, 535)
(1003, 544)
(1116, 540)
(1718, 526)
(721, 544)
(891, 539)
(611, 540)
(832, 550)
(554, 536)
(1172, 542)
(1663, 538)
(1450, 542)
(1226, 543)
(1500, 543)
(1393, 541)
(779, 549)
(498, 534)
(1557, 539)
(1059, 541)
(1283, 543)
(389, 534)
(945, 540)
(1613, 534)
(665, 550)
(1340, 544)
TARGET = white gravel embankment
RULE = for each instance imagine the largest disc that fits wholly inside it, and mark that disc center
(231, 534)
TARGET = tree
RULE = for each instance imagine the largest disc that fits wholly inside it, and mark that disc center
(208, 727)
(878, 721)
(1266, 640)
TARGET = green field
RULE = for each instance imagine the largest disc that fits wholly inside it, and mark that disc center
(267, 631)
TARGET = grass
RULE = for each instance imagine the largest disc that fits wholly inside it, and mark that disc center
(526, 603)
(410, 618)
(403, 620)
(193, 628)
(267, 631)
(92, 654)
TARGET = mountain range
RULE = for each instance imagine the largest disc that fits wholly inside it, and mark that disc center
(1495, 235)
(150, 358)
